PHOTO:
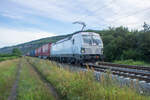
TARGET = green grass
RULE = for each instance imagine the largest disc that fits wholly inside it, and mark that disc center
(132, 62)
(7, 58)
(4, 57)
(82, 85)
(30, 85)
(7, 77)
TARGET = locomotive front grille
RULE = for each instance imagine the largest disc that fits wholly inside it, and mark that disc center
(92, 50)
(88, 50)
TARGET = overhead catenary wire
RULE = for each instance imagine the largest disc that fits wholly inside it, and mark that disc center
(126, 15)
(129, 15)
(99, 8)
(134, 13)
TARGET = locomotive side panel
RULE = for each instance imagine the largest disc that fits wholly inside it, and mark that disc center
(62, 48)
(77, 43)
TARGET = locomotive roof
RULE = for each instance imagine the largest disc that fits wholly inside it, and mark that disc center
(70, 36)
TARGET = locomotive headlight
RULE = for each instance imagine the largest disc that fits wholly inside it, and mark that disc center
(82, 50)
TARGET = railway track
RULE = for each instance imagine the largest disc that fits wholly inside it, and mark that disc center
(134, 72)
(125, 66)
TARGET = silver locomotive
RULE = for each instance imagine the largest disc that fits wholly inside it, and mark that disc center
(78, 48)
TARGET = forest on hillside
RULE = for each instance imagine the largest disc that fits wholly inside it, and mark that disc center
(121, 43)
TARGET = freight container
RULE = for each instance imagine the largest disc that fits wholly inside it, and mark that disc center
(38, 52)
(46, 50)
(32, 53)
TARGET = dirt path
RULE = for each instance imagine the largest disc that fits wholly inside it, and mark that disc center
(13, 94)
(48, 84)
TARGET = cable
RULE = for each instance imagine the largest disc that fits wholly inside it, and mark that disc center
(120, 17)
(134, 13)
(102, 7)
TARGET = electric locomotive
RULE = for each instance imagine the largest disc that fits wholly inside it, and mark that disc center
(80, 47)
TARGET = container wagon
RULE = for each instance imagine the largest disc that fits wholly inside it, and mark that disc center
(38, 52)
(32, 53)
(46, 51)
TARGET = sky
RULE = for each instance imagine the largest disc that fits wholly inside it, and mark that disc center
(26, 20)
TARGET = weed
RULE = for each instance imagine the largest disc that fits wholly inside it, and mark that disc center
(31, 87)
(82, 86)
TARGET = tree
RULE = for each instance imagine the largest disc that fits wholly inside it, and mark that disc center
(146, 27)
(144, 45)
(120, 43)
(16, 52)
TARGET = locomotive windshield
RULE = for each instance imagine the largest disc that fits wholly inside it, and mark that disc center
(87, 39)
(96, 40)
(91, 39)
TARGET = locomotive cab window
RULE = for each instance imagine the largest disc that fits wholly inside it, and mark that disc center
(87, 39)
(91, 39)
(96, 40)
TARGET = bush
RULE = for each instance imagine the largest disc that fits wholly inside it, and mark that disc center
(7, 57)
(16, 52)
(132, 62)
(130, 54)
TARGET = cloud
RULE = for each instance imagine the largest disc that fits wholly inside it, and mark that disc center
(13, 16)
(10, 37)
(94, 13)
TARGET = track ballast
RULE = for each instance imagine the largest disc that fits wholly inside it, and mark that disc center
(134, 72)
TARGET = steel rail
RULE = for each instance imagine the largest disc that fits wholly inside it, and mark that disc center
(125, 66)
(121, 72)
